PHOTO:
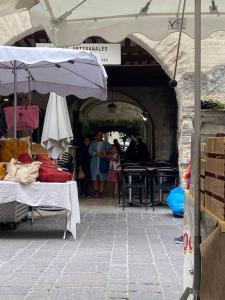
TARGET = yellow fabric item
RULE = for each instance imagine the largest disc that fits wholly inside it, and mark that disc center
(22, 173)
(12, 149)
(2, 170)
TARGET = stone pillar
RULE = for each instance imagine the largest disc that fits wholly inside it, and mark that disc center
(185, 99)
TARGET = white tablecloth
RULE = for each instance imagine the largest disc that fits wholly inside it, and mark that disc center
(62, 195)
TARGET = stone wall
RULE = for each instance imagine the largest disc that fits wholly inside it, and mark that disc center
(213, 77)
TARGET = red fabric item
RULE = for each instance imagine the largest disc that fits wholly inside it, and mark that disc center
(25, 158)
(187, 176)
(46, 160)
(49, 172)
(111, 177)
(27, 117)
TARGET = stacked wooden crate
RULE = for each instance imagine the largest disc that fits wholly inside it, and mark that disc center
(203, 170)
(214, 185)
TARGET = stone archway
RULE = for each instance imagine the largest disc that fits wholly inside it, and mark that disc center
(128, 108)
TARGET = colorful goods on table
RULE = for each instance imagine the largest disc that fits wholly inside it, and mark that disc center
(23, 169)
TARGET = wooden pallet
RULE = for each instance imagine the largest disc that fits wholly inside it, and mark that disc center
(215, 145)
(214, 189)
(203, 166)
(202, 199)
(215, 206)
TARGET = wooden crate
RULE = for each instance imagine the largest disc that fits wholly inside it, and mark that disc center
(215, 145)
(215, 166)
(203, 166)
(215, 187)
(215, 206)
(202, 183)
(202, 199)
(203, 150)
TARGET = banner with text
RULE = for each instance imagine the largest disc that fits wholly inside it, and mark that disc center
(110, 54)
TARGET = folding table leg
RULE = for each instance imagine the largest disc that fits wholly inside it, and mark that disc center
(32, 215)
(64, 234)
(65, 230)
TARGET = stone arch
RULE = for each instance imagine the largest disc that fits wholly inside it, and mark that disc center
(122, 97)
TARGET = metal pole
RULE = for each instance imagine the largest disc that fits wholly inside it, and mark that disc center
(15, 100)
(196, 159)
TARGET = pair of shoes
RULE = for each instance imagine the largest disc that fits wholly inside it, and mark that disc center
(179, 240)
(100, 195)
(96, 195)
(115, 195)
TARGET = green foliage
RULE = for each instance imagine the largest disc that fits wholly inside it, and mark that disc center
(128, 127)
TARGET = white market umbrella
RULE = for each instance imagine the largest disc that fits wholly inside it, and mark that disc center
(64, 71)
(11, 6)
(57, 133)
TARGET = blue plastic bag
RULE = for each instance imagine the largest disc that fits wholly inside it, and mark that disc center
(175, 200)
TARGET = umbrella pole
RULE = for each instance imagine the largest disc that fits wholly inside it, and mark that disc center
(196, 158)
(15, 100)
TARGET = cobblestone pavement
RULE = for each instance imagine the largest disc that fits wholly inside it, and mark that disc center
(117, 255)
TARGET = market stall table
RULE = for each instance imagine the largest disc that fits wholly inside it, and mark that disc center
(62, 195)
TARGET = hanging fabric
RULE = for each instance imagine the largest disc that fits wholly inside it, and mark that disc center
(27, 117)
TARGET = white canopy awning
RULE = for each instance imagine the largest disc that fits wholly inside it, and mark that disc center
(71, 22)
(11, 6)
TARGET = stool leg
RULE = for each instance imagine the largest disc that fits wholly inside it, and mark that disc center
(32, 215)
(146, 199)
(123, 198)
(119, 190)
(153, 198)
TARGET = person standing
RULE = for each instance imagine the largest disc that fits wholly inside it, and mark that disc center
(131, 152)
(118, 147)
(142, 151)
(98, 151)
(114, 163)
(84, 166)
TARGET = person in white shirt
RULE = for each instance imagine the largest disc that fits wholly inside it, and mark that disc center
(99, 166)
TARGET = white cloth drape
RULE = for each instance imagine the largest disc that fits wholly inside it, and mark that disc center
(63, 195)
(57, 133)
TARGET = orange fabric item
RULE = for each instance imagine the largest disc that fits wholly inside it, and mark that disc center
(2, 170)
(12, 149)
